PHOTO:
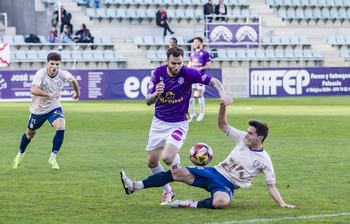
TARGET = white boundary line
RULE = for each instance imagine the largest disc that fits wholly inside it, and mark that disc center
(286, 218)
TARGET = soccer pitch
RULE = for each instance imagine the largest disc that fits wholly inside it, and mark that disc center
(308, 145)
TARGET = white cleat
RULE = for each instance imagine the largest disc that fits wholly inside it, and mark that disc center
(167, 197)
(182, 204)
(128, 183)
(200, 117)
(193, 116)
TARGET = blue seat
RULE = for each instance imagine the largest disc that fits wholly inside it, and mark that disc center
(198, 13)
(151, 55)
(121, 13)
(282, 13)
(340, 40)
(331, 40)
(317, 54)
(330, 3)
(288, 3)
(313, 3)
(97, 40)
(189, 13)
(110, 13)
(179, 13)
(299, 14)
(317, 13)
(106, 40)
(108, 55)
(322, 3)
(294, 40)
(307, 54)
(98, 55)
(42, 39)
(260, 54)
(270, 54)
(87, 55)
(347, 39)
(66, 55)
(222, 54)
(90, 12)
(18, 39)
(171, 13)
(231, 54)
(101, 13)
(148, 40)
(32, 55)
(308, 14)
(291, 13)
(334, 13)
(265, 40)
(345, 54)
(279, 54)
(275, 40)
(42, 55)
(21, 55)
(285, 40)
(119, 56)
(303, 40)
(325, 13)
(289, 54)
(342, 14)
(138, 40)
(241, 54)
(159, 40)
(338, 3)
(7, 39)
(131, 13)
(251, 54)
(141, 13)
(150, 13)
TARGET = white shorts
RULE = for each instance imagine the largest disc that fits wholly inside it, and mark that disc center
(198, 86)
(162, 133)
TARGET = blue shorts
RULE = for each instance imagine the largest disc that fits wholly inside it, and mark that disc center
(36, 121)
(211, 180)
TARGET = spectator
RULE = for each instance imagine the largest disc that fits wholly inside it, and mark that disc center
(53, 35)
(54, 20)
(221, 10)
(66, 36)
(161, 20)
(65, 18)
(172, 42)
(209, 10)
(84, 35)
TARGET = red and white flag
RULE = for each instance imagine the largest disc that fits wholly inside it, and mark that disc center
(4, 55)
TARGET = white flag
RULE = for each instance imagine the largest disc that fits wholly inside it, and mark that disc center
(4, 55)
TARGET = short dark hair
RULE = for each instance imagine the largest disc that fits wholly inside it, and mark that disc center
(53, 56)
(174, 39)
(198, 38)
(261, 128)
(175, 51)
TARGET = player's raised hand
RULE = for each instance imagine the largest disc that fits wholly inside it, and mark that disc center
(75, 96)
(160, 88)
(225, 98)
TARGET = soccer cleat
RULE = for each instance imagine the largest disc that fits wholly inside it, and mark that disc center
(128, 183)
(193, 116)
(200, 117)
(17, 162)
(182, 204)
(167, 197)
(54, 164)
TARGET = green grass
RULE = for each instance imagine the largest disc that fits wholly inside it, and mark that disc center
(308, 144)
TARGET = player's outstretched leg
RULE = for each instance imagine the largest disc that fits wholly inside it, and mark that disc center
(167, 197)
(128, 183)
(190, 203)
(17, 161)
(53, 163)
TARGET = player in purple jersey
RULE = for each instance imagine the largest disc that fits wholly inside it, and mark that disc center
(170, 90)
(246, 161)
(46, 89)
(199, 60)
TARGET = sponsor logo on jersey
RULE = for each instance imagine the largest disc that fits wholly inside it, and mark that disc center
(177, 135)
(163, 100)
(170, 95)
(59, 84)
(256, 163)
(204, 77)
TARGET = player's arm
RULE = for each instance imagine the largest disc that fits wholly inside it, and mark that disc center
(224, 97)
(277, 197)
(222, 120)
(189, 64)
(153, 97)
(205, 67)
(76, 88)
(39, 92)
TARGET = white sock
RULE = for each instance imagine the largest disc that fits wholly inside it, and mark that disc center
(192, 103)
(177, 162)
(201, 102)
(53, 155)
(21, 154)
(158, 169)
(138, 185)
(194, 204)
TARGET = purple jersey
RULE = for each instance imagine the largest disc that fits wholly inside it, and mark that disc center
(172, 104)
(199, 59)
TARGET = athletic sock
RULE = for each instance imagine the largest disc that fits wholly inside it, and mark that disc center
(206, 203)
(53, 155)
(201, 102)
(158, 180)
(192, 103)
(158, 169)
(57, 141)
(176, 163)
(24, 143)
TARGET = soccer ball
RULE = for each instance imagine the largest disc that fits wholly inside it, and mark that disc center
(201, 154)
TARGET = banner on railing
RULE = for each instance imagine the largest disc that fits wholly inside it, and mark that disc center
(234, 35)
(4, 55)
(299, 82)
(94, 84)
